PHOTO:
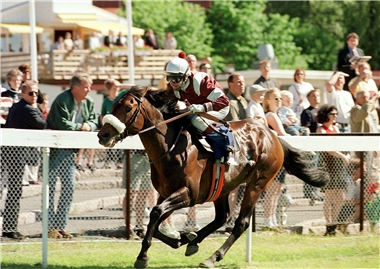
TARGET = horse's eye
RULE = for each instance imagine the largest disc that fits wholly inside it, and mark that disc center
(128, 109)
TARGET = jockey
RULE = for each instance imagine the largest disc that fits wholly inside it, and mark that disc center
(200, 91)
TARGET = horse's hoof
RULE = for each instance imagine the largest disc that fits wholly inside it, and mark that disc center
(141, 263)
(191, 236)
(191, 249)
(207, 264)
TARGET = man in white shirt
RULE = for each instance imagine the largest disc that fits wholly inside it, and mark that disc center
(341, 99)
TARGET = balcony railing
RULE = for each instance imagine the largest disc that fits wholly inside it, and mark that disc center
(59, 65)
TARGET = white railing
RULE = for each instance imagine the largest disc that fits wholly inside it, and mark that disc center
(70, 139)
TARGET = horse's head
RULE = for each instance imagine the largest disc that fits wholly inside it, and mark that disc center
(126, 118)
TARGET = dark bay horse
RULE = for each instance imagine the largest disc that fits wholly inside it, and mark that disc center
(181, 172)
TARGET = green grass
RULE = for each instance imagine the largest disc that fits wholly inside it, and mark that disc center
(268, 251)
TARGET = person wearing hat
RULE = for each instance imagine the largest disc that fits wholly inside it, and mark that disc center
(255, 109)
(200, 91)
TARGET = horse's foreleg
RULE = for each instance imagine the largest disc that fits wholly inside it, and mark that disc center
(160, 212)
(251, 195)
(221, 210)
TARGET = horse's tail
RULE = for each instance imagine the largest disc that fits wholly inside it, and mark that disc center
(297, 164)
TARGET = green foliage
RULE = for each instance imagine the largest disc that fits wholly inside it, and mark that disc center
(325, 24)
(305, 34)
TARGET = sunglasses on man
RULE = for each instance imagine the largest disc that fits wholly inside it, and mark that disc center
(33, 93)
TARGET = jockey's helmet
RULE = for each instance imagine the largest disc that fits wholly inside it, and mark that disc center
(179, 67)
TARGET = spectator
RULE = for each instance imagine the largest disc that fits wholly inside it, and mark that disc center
(59, 44)
(255, 108)
(364, 81)
(271, 104)
(364, 118)
(350, 211)
(121, 41)
(151, 40)
(238, 106)
(309, 115)
(205, 67)
(288, 116)
(344, 56)
(300, 89)
(31, 171)
(109, 40)
(25, 70)
(68, 42)
(340, 99)
(78, 43)
(170, 43)
(112, 86)
(333, 162)
(94, 42)
(44, 106)
(23, 115)
(138, 42)
(211, 100)
(72, 110)
(90, 160)
(309, 120)
(265, 80)
(10, 93)
(193, 62)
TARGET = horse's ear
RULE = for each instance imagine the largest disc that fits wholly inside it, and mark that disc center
(146, 89)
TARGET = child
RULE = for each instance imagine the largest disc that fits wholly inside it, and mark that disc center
(288, 116)
(254, 108)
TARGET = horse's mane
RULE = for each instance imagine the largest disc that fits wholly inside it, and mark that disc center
(163, 100)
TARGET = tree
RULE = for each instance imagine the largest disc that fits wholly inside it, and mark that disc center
(239, 27)
(186, 21)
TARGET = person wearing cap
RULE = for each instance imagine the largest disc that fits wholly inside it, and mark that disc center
(200, 91)
(255, 109)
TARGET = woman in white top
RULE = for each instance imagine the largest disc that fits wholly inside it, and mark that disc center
(271, 104)
(300, 89)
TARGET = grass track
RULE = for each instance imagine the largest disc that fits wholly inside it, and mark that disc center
(269, 251)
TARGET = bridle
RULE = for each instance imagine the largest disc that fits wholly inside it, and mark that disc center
(140, 107)
(125, 133)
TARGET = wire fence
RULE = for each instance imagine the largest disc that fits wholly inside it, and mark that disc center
(88, 193)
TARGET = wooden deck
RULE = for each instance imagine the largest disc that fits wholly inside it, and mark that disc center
(57, 67)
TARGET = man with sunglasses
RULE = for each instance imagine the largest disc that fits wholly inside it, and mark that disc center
(200, 91)
(22, 115)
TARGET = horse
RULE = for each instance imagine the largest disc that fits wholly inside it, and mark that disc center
(181, 172)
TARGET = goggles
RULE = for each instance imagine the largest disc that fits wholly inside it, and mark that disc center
(174, 79)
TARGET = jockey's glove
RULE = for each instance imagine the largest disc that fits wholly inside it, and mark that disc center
(196, 108)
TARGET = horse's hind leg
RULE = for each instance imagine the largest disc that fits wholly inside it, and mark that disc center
(251, 195)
